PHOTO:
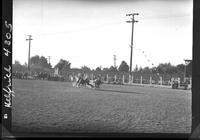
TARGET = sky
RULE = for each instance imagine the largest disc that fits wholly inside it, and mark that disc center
(90, 32)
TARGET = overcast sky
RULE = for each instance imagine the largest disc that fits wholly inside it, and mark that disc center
(90, 32)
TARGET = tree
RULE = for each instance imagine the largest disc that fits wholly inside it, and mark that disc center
(98, 69)
(44, 62)
(146, 70)
(105, 69)
(154, 70)
(180, 68)
(37, 61)
(140, 70)
(113, 69)
(85, 68)
(167, 68)
(17, 62)
(17, 67)
(164, 68)
(189, 69)
(123, 67)
(136, 68)
(171, 70)
(161, 68)
(63, 66)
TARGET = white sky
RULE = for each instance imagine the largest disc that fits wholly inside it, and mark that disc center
(90, 32)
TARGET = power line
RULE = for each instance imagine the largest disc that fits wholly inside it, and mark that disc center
(29, 39)
(111, 24)
(132, 21)
(163, 17)
(145, 55)
(81, 29)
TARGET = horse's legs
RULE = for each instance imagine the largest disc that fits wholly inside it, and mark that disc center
(81, 82)
(78, 82)
(90, 85)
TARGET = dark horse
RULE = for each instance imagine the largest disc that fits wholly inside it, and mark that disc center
(85, 82)
(92, 84)
(97, 83)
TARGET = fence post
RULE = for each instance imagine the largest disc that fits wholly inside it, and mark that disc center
(115, 78)
(107, 78)
(190, 85)
(160, 80)
(132, 79)
(171, 82)
(150, 80)
(140, 79)
(179, 81)
(123, 79)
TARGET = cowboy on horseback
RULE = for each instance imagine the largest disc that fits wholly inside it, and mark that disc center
(80, 78)
(97, 81)
(87, 82)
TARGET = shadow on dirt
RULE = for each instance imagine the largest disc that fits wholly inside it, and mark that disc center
(129, 92)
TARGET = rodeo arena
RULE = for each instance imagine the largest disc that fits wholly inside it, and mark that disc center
(94, 80)
(99, 102)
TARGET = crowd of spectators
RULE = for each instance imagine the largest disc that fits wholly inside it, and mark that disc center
(37, 76)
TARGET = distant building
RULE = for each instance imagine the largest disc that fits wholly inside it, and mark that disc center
(56, 72)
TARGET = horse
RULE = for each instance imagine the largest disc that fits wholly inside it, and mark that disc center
(86, 82)
(81, 82)
(97, 83)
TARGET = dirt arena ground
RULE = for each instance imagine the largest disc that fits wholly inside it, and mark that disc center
(48, 106)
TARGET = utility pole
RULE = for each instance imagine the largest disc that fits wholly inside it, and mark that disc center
(132, 21)
(115, 61)
(49, 59)
(186, 63)
(29, 39)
